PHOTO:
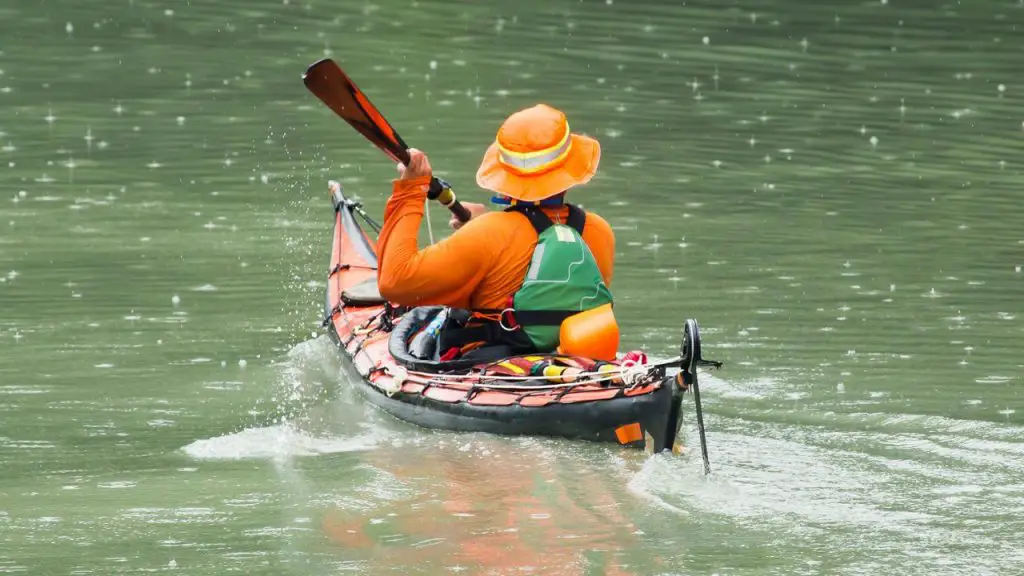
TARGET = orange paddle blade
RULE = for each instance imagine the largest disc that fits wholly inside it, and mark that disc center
(328, 82)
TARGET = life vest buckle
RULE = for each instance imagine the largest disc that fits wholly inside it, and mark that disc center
(508, 315)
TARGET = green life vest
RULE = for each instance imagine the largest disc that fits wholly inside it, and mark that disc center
(563, 278)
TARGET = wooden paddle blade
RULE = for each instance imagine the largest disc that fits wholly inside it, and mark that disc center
(328, 82)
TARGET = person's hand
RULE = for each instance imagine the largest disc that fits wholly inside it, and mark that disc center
(474, 211)
(418, 167)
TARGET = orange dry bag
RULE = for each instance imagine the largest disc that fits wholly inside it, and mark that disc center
(593, 334)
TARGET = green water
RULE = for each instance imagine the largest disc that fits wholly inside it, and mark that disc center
(831, 189)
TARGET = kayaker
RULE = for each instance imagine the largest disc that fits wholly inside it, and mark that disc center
(522, 271)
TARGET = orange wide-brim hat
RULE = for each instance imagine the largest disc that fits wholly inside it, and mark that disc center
(535, 156)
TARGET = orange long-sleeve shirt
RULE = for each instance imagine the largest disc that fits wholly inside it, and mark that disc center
(479, 266)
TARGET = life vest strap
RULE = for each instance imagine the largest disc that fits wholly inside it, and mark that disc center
(542, 317)
(523, 317)
(506, 329)
(576, 219)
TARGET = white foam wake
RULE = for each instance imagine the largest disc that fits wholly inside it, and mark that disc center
(272, 442)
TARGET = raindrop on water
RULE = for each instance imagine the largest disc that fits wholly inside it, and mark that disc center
(70, 165)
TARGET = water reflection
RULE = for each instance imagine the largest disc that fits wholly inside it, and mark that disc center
(489, 505)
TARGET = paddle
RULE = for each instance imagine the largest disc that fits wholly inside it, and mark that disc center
(328, 82)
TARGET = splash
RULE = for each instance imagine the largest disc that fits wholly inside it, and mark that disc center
(275, 442)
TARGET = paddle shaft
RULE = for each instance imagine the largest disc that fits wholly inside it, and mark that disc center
(328, 82)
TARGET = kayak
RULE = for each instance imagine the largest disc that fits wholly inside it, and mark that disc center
(634, 403)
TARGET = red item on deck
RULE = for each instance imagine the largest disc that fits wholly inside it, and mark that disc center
(633, 357)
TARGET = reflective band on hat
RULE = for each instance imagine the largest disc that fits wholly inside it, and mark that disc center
(530, 162)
